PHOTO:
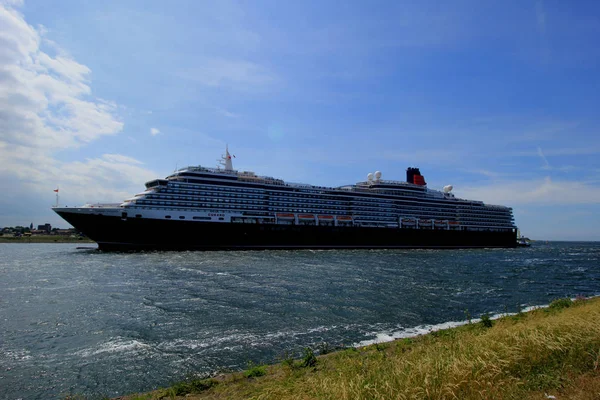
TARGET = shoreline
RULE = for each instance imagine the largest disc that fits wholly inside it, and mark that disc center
(45, 239)
(548, 349)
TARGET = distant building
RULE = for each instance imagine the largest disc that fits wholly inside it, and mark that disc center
(46, 227)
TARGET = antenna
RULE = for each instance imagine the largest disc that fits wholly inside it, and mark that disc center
(225, 160)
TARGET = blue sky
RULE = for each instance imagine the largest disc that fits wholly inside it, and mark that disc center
(499, 99)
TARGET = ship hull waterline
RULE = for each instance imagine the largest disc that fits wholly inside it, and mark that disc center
(125, 234)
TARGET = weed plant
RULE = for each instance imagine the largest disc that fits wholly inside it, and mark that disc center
(309, 360)
(559, 304)
(486, 321)
(255, 370)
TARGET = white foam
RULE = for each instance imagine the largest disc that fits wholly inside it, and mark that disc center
(116, 345)
(403, 333)
(17, 355)
(194, 344)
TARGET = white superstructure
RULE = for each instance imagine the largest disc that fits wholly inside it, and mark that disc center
(229, 196)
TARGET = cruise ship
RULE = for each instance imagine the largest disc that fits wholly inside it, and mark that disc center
(199, 208)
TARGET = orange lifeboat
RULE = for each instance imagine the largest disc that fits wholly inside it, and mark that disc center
(343, 218)
(328, 217)
(454, 223)
(306, 216)
(290, 216)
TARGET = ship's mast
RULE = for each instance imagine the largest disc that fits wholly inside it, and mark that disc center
(226, 160)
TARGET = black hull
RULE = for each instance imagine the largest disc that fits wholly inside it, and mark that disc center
(114, 233)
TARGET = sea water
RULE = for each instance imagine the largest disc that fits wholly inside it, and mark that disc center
(99, 324)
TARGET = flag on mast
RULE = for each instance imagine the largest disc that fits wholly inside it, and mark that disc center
(56, 191)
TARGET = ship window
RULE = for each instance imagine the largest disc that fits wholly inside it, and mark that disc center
(221, 219)
(181, 217)
(167, 216)
(138, 215)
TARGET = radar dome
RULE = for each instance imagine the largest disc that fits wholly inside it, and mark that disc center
(448, 188)
(378, 175)
(370, 176)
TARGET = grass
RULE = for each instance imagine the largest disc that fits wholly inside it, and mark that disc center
(486, 321)
(554, 351)
(254, 370)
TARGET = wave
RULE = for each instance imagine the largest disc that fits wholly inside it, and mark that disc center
(114, 345)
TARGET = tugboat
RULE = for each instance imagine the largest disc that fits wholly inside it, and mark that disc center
(522, 241)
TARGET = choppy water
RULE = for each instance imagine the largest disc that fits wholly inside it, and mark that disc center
(84, 322)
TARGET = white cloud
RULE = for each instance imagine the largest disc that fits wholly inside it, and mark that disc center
(535, 192)
(486, 172)
(429, 156)
(562, 151)
(227, 113)
(233, 74)
(12, 2)
(46, 105)
(111, 178)
(118, 158)
(544, 159)
(45, 101)
(540, 15)
(154, 131)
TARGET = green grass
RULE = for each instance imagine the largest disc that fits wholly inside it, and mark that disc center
(560, 304)
(554, 350)
(254, 370)
(486, 321)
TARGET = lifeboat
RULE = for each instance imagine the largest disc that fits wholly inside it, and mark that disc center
(306, 216)
(453, 223)
(408, 221)
(282, 216)
(424, 222)
(440, 223)
(327, 217)
(344, 218)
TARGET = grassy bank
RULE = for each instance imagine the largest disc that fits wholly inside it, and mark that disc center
(554, 351)
(44, 239)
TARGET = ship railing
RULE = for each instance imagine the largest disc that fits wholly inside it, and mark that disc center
(101, 205)
(199, 168)
(359, 186)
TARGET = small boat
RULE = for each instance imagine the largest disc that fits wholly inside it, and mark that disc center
(329, 217)
(306, 216)
(408, 221)
(522, 241)
(286, 216)
(343, 218)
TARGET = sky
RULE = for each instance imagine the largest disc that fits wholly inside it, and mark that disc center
(499, 99)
